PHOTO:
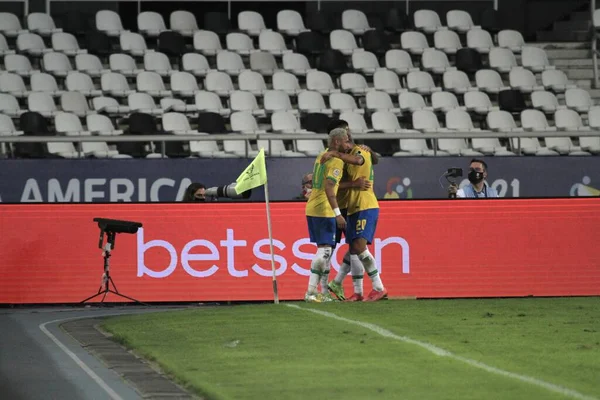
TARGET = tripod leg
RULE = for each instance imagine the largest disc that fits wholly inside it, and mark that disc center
(92, 296)
(127, 297)
(109, 281)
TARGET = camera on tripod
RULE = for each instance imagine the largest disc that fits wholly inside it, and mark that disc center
(227, 192)
(452, 173)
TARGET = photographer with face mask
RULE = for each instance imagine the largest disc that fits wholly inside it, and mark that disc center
(306, 187)
(477, 188)
(195, 193)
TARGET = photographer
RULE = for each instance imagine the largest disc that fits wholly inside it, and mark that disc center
(194, 193)
(306, 187)
(477, 188)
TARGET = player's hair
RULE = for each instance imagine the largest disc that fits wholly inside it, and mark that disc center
(336, 123)
(481, 162)
(336, 134)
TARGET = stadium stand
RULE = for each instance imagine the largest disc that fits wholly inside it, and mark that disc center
(174, 75)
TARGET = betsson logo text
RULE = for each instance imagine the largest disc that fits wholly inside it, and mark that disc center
(206, 250)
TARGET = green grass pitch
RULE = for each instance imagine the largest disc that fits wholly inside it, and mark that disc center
(273, 351)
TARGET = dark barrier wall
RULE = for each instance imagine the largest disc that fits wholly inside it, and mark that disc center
(395, 178)
(220, 252)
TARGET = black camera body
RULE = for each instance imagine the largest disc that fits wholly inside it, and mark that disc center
(452, 173)
(117, 226)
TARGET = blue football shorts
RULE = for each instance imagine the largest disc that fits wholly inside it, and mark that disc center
(322, 230)
(362, 224)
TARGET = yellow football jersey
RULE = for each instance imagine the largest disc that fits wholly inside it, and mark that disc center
(318, 205)
(359, 200)
(343, 194)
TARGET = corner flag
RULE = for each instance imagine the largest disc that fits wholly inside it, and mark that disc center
(254, 175)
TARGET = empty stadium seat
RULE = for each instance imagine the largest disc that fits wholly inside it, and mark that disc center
(183, 22)
(101, 125)
(150, 23)
(460, 21)
(579, 100)
(183, 84)
(380, 101)
(196, 64)
(447, 41)
(210, 102)
(42, 103)
(57, 64)
(511, 39)
(428, 21)
(251, 22)
(65, 42)
(545, 101)
(313, 102)
(445, 102)
(535, 59)
(414, 42)
(90, 64)
(207, 42)
(75, 103)
(286, 82)
(109, 22)
(355, 21)
(556, 80)
(355, 121)
(230, 62)
(19, 64)
(263, 62)
(321, 82)
(272, 42)
(479, 102)
(457, 82)
(399, 61)
(343, 102)
(296, 63)
(240, 100)
(480, 41)
(290, 22)
(9, 105)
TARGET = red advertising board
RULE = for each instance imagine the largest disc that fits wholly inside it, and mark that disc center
(220, 252)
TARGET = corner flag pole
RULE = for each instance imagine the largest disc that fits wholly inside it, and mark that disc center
(276, 295)
(253, 176)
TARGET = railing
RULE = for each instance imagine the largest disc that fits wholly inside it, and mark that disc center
(291, 136)
(595, 37)
(139, 3)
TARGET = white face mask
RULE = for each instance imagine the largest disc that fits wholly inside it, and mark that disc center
(306, 191)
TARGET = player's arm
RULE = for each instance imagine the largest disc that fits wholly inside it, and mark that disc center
(347, 158)
(360, 183)
(374, 155)
(332, 199)
(332, 178)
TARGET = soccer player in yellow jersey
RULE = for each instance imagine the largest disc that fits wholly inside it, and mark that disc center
(323, 214)
(363, 213)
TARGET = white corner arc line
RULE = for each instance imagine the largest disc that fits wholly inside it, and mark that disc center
(113, 395)
(445, 353)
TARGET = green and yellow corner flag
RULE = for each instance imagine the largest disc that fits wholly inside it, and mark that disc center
(254, 175)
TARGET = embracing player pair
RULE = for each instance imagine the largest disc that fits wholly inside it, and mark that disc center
(343, 202)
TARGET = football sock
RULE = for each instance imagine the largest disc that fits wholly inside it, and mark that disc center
(357, 274)
(344, 269)
(317, 266)
(368, 263)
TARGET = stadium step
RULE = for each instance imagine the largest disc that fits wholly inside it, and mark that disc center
(563, 35)
(568, 53)
(580, 15)
(573, 25)
(560, 45)
(578, 73)
(573, 63)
